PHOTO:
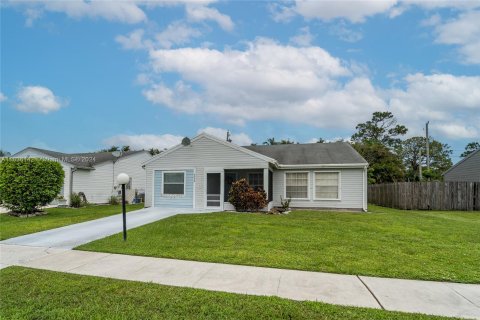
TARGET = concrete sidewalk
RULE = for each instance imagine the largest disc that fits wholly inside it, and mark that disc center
(437, 298)
(77, 234)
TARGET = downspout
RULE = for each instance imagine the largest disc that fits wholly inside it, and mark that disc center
(363, 188)
(72, 170)
(113, 178)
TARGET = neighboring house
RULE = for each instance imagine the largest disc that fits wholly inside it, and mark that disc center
(467, 169)
(95, 173)
(199, 174)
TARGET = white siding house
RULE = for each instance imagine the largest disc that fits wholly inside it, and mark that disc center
(204, 155)
(94, 174)
(198, 174)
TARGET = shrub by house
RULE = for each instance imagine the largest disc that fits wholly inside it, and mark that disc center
(244, 198)
(26, 184)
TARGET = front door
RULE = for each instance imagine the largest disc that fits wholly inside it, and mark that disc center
(214, 190)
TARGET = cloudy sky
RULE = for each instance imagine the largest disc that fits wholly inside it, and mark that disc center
(82, 75)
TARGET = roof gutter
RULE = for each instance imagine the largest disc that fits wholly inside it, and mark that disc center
(327, 165)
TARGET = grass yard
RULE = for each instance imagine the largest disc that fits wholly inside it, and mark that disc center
(56, 217)
(426, 245)
(38, 294)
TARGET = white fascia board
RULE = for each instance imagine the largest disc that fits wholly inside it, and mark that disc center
(319, 166)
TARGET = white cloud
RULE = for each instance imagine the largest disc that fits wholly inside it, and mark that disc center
(31, 15)
(133, 41)
(441, 4)
(357, 11)
(200, 12)
(306, 85)
(265, 81)
(128, 11)
(2, 97)
(444, 99)
(144, 141)
(344, 33)
(38, 99)
(354, 11)
(177, 33)
(241, 139)
(118, 11)
(304, 38)
(457, 130)
(431, 21)
(464, 32)
(181, 97)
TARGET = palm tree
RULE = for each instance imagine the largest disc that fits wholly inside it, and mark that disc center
(270, 141)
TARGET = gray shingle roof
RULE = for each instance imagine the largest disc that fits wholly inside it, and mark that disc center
(310, 153)
(84, 160)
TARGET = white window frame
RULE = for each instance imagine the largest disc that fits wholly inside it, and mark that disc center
(184, 184)
(285, 185)
(339, 187)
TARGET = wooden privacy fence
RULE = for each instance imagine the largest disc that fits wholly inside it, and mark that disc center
(426, 195)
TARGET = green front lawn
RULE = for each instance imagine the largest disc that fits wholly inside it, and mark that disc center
(425, 245)
(37, 294)
(56, 217)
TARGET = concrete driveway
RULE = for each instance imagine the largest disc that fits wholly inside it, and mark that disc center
(74, 235)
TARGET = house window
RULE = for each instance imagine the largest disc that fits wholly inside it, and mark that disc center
(296, 185)
(174, 183)
(255, 180)
(327, 185)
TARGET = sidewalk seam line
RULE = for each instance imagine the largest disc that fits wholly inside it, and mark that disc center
(461, 295)
(82, 265)
(279, 280)
(202, 276)
(371, 292)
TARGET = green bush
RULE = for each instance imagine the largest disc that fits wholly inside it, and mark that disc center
(113, 200)
(26, 184)
(76, 200)
(285, 203)
(245, 198)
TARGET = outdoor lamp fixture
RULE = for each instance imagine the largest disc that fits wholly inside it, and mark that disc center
(123, 179)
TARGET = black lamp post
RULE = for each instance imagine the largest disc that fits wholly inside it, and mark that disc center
(123, 179)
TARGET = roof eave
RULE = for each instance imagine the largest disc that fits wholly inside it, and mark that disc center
(323, 165)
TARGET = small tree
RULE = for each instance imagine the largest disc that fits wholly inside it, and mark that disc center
(469, 148)
(26, 184)
(382, 129)
(385, 166)
(245, 198)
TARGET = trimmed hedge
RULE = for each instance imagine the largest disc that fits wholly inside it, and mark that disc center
(26, 184)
